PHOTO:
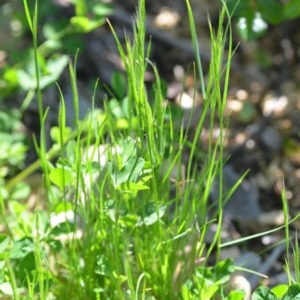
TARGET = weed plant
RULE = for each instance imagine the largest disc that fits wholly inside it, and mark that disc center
(122, 215)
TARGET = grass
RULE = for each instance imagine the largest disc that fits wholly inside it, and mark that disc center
(121, 214)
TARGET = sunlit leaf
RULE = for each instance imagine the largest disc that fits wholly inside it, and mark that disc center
(4, 243)
(11, 78)
(102, 266)
(279, 290)
(223, 271)
(263, 293)
(61, 177)
(152, 215)
(81, 24)
(129, 172)
(21, 248)
(139, 186)
(25, 80)
(54, 68)
(21, 191)
(6, 288)
(60, 135)
(122, 123)
(115, 108)
(236, 295)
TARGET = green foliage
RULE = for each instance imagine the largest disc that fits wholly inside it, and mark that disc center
(212, 280)
(59, 35)
(111, 186)
(283, 292)
(116, 218)
(253, 17)
(23, 77)
(28, 70)
(13, 145)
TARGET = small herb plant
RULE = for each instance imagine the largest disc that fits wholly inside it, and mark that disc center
(120, 214)
(282, 291)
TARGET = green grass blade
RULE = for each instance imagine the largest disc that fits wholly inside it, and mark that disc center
(196, 47)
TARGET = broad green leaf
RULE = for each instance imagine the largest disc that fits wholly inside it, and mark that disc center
(25, 80)
(60, 177)
(54, 68)
(186, 293)
(115, 108)
(263, 293)
(50, 30)
(10, 78)
(236, 295)
(293, 293)
(134, 166)
(280, 290)
(138, 186)
(63, 206)
(209, 290)
(270, 10)
(128, 147)
(4, 243)
(119, 161)
(25, 267)
(128, 220)
(129, 172)
(291, 9)
(123, 218)
(239, 8)
(122, 123)
(56, 64)
(81, 24)
(6, 289)
(17, 207)
(60, 135)
(152, 214)
(21, 248)
(80, 7)
(20, 191)
(223, 270)
(134, 186)
(50, 71)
